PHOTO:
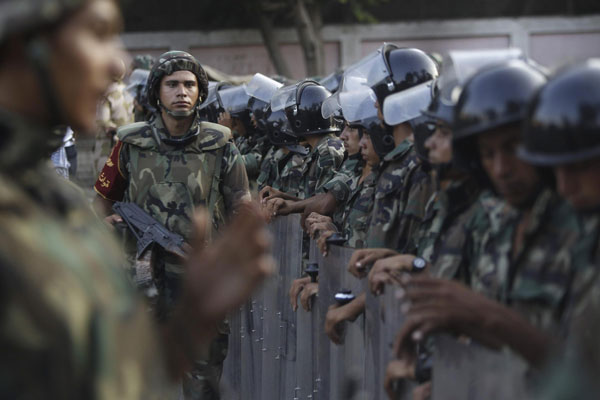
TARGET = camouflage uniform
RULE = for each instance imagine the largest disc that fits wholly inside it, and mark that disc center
(346, 178)
(442, 230)
(403, 189)
(536, 278)
(168, 182)
(357, 211)
(317, 168)
(72, 326)
(115, 110)
(269, 168)
(291, 173)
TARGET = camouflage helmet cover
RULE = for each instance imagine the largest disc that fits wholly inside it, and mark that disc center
(170, 62)
(22, 16)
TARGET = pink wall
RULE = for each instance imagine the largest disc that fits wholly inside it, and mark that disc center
(247, 60)
(558, 49)
(441, 45)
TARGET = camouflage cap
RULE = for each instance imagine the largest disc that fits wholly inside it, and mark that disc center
(143, 61)
(171, 62)
(21, 16)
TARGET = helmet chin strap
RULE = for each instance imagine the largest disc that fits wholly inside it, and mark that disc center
(178, 115)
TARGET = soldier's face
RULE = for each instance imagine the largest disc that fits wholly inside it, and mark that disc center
(516, 181)
(368, 151)
(578, 184)
(351, 140)
(85, 56)
(179, 91)
(440, 145)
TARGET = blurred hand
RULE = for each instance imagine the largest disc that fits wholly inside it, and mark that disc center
(322, 242)
(297, 286)
(113, 219)
(363, 258)
(396, 372)
(385, 269)
(310, 290)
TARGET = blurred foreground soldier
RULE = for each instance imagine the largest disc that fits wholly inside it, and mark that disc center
(563, 132)
(115, 110)
(71, 325)
(169, 167)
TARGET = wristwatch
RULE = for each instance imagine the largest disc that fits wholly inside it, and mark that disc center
(418, 265)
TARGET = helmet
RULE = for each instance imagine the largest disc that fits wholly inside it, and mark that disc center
(235, 101)
(302, 104)
(441, 108)
(169, 63)
(332, 81)
(210, 109)
(22, 16)
(563, 124)
(423, 127)
(260, 89)
(143, 61)
(406, 68)
(358, 107)
(495, 96)
(279, 132)
(408, 104)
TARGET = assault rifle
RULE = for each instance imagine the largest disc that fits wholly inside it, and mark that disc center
(147, 230)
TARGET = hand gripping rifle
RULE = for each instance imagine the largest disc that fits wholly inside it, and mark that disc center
(147, 230)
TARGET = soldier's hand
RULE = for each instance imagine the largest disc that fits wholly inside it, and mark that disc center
(434, 305)
(268, 193)
(335, 315)
(225, 119)
(113, 219)
(297, 286)
(385, 269)
(322, 242)
(319, 227)
(363, 258)
(275, 207)
(422, 392)
(314, 218)
(396, 373)
(310, 290)
(323, 203)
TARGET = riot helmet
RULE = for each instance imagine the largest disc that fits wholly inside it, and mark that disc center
(210, 109)
(167, 64)
(260, 90)
(332, 81)
(408, 104)
(494, 97)
(302, 104)
(235, 101)
(280, 133)
(358, 108)
(563, 123)
(406, 67)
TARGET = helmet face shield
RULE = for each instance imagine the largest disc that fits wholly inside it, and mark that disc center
(284, 97)
(367, 72)
(408, 104)
(234, 99)
(358, 105)
(262, 88)
(138, 77)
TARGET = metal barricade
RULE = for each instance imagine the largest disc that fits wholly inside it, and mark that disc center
(278, 354)
(470, 371)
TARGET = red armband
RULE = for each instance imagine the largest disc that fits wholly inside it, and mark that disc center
(111, 183)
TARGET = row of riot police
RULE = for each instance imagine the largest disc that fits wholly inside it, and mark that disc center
(470, 187)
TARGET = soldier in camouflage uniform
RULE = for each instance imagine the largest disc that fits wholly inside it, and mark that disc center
(518, 247)
(558, 135)
(169, 166)
(302, 105)
(115, 110)
(72, 326)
